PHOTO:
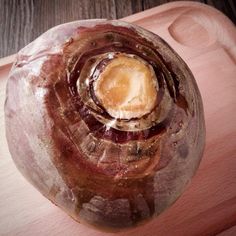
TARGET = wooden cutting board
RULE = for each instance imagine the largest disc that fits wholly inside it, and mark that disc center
(206, 40)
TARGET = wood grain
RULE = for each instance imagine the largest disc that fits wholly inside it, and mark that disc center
(208, 207)
(21, 21)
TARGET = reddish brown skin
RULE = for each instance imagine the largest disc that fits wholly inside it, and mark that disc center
(107, 178)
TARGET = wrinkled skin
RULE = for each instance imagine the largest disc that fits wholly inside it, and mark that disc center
(111, 177)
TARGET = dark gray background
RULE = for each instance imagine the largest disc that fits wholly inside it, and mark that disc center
(21, 21)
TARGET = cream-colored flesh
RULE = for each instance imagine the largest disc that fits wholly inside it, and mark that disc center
(127, 88)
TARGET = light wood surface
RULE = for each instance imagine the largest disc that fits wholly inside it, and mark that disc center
(206, 40)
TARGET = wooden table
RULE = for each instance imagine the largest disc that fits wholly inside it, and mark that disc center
(208, 206)
(21, 21)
